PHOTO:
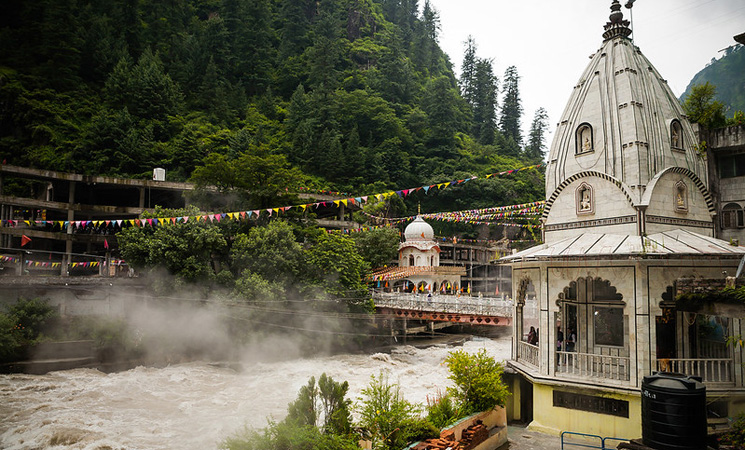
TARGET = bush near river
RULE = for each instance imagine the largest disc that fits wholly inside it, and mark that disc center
(320, 417)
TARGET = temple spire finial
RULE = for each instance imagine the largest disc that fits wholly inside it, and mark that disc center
(418, 209)
(617, 27)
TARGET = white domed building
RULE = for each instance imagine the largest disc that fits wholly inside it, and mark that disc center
(419, 267)
(627, 215)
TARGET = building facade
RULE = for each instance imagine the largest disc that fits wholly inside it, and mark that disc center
(628, 213)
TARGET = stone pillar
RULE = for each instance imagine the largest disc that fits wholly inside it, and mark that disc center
(142, 197)
(342, 210)
(67, 260)
(21, 263)
(405, 329)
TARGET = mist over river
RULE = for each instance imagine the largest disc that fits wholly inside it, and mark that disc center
(194, 406)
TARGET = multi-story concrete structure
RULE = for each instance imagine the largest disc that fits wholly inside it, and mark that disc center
(725, 148)
(71, 217)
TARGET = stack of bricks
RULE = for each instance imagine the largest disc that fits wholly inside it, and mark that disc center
(473, 436)
(446, 441)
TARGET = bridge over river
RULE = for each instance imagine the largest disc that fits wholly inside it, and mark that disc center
(416, 313)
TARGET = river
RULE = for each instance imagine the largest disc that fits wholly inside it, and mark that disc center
(195, 405)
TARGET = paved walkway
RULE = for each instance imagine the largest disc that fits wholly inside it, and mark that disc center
(518, 438)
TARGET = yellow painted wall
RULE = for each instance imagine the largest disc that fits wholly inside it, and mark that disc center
(554, 420)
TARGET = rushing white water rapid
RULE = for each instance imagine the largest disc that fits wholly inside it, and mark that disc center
(195, 405)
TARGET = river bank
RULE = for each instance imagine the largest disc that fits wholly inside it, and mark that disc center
(195, 405)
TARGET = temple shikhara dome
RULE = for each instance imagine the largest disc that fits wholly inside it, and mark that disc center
(623, 138)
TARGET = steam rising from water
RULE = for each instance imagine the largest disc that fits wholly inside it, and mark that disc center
(193, 405)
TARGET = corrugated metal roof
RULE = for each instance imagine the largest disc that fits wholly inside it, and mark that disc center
(666, 244)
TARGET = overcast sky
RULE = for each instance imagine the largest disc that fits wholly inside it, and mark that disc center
(550, 41)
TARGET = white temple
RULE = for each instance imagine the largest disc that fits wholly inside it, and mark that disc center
(419, 267)
(627, 214)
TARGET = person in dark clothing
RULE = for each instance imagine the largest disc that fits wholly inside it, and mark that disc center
(559, 345)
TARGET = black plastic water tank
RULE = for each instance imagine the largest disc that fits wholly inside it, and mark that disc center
(673, 412)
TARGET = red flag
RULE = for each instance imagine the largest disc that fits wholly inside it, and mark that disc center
(25, 240)
(105, 244)
(497, 290)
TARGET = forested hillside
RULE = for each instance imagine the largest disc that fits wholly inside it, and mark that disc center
(727, 74)
(354, 95)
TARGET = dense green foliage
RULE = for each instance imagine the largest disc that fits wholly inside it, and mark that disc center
(442, 410)
(735, 437)
(726, 74)
(701, 107)
(319, 419)
(253, 97)
(255, 262)
(389, 421)
(23, 325)
(478, 381)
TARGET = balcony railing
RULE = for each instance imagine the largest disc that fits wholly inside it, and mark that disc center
(711, 370)
(594, 366)
(528, 354)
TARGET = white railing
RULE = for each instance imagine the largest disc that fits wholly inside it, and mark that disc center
(486, 306)
(528, 353)
(591, 365)
(711, 370)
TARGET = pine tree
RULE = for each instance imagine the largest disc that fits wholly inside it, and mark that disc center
(535, 150)
(468, 72)
(512, 110)
(485, 102)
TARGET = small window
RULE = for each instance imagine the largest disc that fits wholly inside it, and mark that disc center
(584, 139)
(732, 216)
(676, 135)
(732, 166)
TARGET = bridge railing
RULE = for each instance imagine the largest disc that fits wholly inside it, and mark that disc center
(487, 306)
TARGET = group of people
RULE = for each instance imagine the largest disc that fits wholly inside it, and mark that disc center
(568, 345)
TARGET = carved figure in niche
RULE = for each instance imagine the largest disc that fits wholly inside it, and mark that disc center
(586, 203)
(584, 139)
(681, 201)
(675, 137)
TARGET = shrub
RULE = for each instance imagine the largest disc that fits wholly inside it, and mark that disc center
(442, 411)
(478, 381)
(735, 438)
(384, 413)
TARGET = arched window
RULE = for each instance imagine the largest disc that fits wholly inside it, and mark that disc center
(676, 135)
(584, 139)
(411, 260)
(732, 216)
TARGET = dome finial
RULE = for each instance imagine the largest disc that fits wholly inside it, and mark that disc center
(617, 27)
